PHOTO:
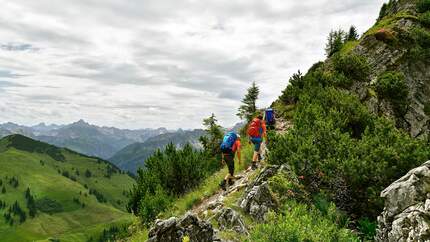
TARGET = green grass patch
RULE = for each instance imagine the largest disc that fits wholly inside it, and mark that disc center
(388, 22)
(300, 222)
(348, 47)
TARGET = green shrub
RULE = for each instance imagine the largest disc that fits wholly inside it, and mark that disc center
(152, 204)
(425, 19)
(421, 37)
(367, 228)
(291, 93)
(299, 222)
(392, 86)
(352, 66)
(427, 109)
(287, 187)
(423, 6)
(168, 173)
(338, 146)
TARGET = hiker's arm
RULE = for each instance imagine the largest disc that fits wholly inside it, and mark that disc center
(238, 156)
(222, 158)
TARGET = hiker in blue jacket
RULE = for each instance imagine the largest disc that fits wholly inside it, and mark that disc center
(229, 147)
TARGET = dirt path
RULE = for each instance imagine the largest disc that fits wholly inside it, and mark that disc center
(243, 178)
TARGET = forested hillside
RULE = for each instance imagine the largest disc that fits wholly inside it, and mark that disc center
(133, 156)
(50, 192)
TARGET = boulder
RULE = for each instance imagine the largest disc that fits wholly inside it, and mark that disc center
(229, 219)
(406, 215)
(174, 229)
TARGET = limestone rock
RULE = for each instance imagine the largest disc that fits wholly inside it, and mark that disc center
(229, 219)
(258, 201)
(174, 229)
(406, 216)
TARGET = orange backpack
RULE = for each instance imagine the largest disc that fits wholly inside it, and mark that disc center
(254, 128)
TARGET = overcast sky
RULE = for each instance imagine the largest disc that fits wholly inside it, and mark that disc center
(152, 63)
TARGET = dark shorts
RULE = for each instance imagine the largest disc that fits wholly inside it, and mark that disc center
(229, 160)
(257, 143)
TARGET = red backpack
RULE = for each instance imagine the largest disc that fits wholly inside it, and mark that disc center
(254, 128)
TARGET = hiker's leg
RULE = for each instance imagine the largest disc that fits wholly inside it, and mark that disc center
(229, 160)
(258, 149)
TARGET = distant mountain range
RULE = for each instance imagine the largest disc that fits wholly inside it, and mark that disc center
(83, 137)
(128, 149)
(133, 156)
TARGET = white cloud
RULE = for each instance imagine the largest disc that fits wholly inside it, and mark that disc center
(155, 63)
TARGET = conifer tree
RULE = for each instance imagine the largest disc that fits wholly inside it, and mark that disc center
(212, 140)
(249, 107)
(352, 34)
(335, 42)
(3, 190)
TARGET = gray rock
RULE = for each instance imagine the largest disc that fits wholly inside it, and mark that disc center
(258, 201)
(406, 216)
(166, 230)
(175, 230)
(229, 219)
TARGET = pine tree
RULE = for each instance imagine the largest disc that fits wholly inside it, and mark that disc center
(249, 107)
(352, 34)
(335, 42)
(3, 190)
(212, 140)
(27, 193)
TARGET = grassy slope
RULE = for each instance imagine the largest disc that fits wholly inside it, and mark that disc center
(74, 223)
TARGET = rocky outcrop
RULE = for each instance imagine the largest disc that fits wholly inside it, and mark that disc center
(382, 55)
(258, 200)
(229, 219)
(406, 216)
(175, 230)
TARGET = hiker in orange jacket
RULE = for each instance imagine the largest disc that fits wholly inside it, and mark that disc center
(257, 133)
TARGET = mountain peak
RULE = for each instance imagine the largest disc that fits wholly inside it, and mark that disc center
(80, 122)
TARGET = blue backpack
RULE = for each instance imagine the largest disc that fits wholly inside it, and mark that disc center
(228, 142)
(270, 116)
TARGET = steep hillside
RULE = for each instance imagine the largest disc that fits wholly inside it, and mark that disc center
(134, 155)
(49, 192)
(83, 137)
(399, 43)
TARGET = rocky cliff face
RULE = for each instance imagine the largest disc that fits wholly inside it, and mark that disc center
(387, 47)
(406, 216)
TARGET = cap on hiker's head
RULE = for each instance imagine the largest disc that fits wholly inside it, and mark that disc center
(238, 136)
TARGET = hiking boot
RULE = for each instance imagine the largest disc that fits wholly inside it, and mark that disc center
(230, 182)
(223, 185)
(254, 166)
(259, 157)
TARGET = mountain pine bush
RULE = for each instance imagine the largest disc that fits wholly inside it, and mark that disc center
(340, 147)
(168, 174)
(352, 66)
(392, 86)
(425, 19)
(423, 6)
